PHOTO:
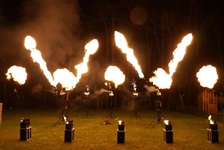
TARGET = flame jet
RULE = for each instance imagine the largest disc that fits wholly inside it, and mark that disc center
(90, 49)
(17, 73)
(123, 45)
(63, 76)
(207, 76)
(68, 79)
(162, 79)
(30, 44)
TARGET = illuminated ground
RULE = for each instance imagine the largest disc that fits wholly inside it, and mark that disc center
(189, 131)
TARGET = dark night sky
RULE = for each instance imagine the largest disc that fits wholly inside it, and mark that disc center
(152, 28)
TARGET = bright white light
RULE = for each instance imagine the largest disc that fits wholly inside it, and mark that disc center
(207, 76)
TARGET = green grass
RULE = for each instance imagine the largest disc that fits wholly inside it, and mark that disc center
(189, 131)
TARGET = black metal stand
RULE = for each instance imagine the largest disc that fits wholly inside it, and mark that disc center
(111, 114)
(63, 115)
(87, 113)
(134, 112)
(112, 106)
(157, 119)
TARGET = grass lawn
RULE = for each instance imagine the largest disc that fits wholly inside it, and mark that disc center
(189, 131)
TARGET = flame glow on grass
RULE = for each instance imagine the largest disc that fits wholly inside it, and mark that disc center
(123, 45)
(17, 73)
(162, 79)
(207, 76)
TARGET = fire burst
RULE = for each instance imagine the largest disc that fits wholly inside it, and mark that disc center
(17, 73)
(207, 76)
(162, 79)
(66, 78)
(123, 45)
(115, 75)
(63, 76)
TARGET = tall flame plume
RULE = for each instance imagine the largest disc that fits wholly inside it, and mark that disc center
(123, 45)
(63, 76)
(162, 79)
(90, 49)
(30, 44)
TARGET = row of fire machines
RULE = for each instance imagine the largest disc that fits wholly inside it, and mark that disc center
(25, 131)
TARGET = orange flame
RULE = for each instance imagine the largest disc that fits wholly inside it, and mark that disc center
(207, 76)
(115, 75)
(66, 78)
(30, 44)
(162, 79)
(63, 76)
(120, 122)
(90, 49)
(210, 119)
(166, 122)
(17, 73)
(123, 45)
(179, 53)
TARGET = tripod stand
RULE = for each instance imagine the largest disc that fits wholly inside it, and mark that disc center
(87, 113)
(157, 119)
(63, 115)
(135, 113)
(111, 113)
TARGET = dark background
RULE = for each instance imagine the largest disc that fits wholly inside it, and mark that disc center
(152, 28)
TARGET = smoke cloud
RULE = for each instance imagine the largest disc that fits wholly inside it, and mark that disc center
(54, 25)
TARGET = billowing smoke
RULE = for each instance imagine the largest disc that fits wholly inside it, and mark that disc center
(101, 91)
(54, 24)
(56, 27)
(151, 88)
